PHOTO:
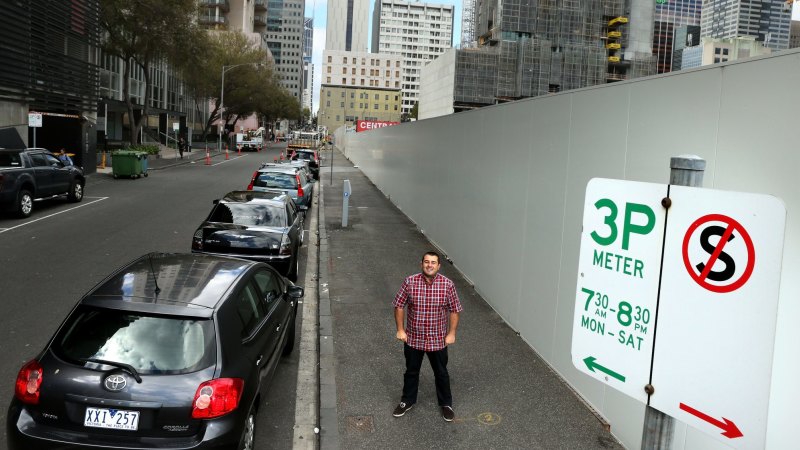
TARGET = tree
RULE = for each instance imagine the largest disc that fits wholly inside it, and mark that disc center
(306, 116)
(141, 33)
(415, 111)
(243, 85)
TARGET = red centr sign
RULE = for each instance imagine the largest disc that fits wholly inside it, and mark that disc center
(365, 125)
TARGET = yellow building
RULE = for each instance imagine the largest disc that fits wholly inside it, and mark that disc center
(344, 105)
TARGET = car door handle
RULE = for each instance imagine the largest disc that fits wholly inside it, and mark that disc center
(258, 362)
(278, 329)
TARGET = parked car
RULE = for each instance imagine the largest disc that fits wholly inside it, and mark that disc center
(310, 156)
(284, 178)
(32, 174)
(170, 351)
(299, 164)
(263, 226)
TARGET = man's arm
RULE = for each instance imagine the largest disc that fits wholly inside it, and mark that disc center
(451, 330)
(400, 322)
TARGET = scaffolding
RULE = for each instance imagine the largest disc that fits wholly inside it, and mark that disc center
(528, 48)
(468, 24)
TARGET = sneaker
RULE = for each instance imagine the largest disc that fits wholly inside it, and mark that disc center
(448, 414)
(401, 409)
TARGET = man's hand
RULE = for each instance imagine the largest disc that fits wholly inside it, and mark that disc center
(401, 335)
(450, 338)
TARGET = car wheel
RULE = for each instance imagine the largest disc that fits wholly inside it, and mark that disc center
(289, 345)
(75, 191)
(24, 203)
(247, 442)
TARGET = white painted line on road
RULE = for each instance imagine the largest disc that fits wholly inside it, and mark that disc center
(99, 199)
(227, 160)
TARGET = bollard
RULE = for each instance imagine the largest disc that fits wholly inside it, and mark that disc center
(226, 153)
(240, 148)
(208, 158)
(275, 159)
(346, 191)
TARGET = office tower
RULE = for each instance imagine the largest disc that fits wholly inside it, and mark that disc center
(418, 32)
(669, 16)
(468, 10)
(794, 34)
(765, 20)
(348, 25)
(684, 36)
(284, 37)
(308, 66)
(526, 49)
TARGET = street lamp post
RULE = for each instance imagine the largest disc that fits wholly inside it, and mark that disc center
(222, 98)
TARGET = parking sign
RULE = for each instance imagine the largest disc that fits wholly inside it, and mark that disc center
(618, 273)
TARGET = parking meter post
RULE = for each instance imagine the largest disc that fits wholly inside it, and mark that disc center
(331, 150)
(346, 191)
(659, 428)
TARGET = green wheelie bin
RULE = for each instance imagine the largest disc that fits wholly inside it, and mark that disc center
(125, 163)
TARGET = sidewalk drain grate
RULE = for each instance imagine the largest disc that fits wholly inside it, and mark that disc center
(360, 424)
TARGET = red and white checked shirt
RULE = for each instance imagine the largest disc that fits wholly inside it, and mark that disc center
(429, 308)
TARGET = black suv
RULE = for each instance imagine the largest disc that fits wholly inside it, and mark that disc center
(172, 351)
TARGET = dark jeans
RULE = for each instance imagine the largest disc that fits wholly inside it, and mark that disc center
(438, 360)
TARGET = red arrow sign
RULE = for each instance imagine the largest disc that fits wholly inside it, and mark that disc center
(731, 430)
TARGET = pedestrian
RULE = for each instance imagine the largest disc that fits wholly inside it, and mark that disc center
(64, 157)
(433, 309)
(181, 145)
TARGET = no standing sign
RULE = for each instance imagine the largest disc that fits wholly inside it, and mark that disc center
(705, 340)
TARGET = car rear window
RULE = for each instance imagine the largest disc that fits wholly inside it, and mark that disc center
(151, 344)
(249, 215)
(276, 180)
(10, 160)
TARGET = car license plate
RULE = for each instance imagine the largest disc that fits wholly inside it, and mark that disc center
(111, 418)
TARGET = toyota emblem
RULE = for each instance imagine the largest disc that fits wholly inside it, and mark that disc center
(115, 382)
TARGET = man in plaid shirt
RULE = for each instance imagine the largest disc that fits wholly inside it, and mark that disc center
(432, 305)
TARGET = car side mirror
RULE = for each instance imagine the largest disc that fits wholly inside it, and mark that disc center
(215, 201)
(295, 292)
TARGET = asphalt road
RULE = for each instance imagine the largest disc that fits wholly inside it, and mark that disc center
(52, 258)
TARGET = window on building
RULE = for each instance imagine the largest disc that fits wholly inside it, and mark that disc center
(351, 104)
(363, 61)
(344, 80)
(395, 107)
(341, 104)
(725, 51)
(387, 97)
(395, 98)
(329, 69)
(362, 81)
(388, 63)
(344, 70)
(328, 79)
(363, 71)
(330, 58)
(385, 107)
(344, 60)
(338, 117)
(329, 93)
(377, 96)
(352, 81)
(352, 95)
(328, 103)
(343, 94)
(717, 51)
(397, 64)
(387, 84)
(376, 106)
(360, 106)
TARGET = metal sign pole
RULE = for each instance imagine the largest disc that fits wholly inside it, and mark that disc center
(330, 147)
(659, 428)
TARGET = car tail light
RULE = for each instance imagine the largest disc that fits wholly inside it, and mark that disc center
(216, 398)
(299, 186)
(197, 240)
(252, 181)
(286, 245)
(29, 379)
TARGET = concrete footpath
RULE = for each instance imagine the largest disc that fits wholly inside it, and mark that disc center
(505, 396)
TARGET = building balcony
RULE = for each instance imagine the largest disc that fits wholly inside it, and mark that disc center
(260, 20)
(222, 4)
(211, 19)
(260, 5)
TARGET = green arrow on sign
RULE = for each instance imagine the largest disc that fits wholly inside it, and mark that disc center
(591, 364)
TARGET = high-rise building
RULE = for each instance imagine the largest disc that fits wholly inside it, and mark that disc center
(765, 20)
(669, 16)
(794, 34)
(285, 28)
(347, 25)
(685, 36)
(418, 32)
(527, 49)
(308, 66)
(713, 51)
(355, 76)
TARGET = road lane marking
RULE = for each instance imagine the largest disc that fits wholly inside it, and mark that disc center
(227, 160)
(99, 199)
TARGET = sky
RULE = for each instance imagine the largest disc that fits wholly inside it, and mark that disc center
(318, 10)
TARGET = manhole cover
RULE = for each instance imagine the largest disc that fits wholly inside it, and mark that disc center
(360, 424)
